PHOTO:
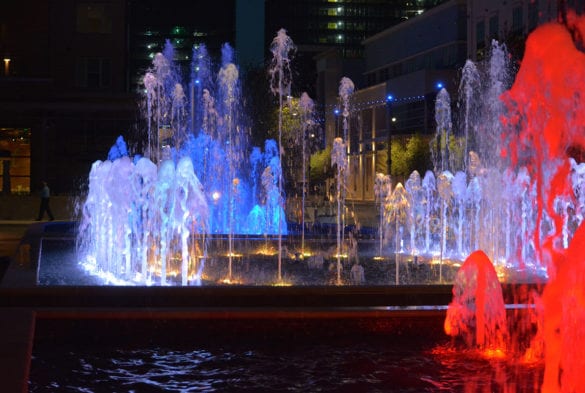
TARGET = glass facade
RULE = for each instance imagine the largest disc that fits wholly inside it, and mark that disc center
(185, 23)
(342, 24)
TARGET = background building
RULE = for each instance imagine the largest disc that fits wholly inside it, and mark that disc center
(509, 22)
(405, 67)
(184, 23)
(62, 90)
(70, 69)
(250, 34)
(317, 26)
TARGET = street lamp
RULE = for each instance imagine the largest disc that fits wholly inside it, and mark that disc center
(7, 66)
(389, 100)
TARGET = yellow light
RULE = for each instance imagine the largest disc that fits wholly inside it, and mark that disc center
(229, 281)
(494, 353)
(267, 250)
(6, 65)
(282, 283)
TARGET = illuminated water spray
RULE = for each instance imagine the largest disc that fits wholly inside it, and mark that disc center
(339, 162)
(382, 188)
(146, 219)
(282, 49)
(544, 133)
(307, 107)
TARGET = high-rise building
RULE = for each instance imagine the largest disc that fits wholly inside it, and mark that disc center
(508, 22)
(320, 24)
(342, 25)
(183, 23)
(250, 41)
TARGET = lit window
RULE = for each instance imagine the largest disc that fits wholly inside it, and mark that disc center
(15, 160)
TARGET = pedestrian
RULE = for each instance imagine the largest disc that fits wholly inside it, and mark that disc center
(45, 207)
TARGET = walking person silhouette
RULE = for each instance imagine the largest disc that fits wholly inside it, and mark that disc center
(45, 207)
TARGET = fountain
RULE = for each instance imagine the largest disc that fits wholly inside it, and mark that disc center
(543, 126)
(454, 210)
(190, 185)
(281, 81)
(477, 312)
(518, 201)
(159, 230)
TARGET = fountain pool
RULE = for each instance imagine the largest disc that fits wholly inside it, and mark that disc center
(402, 351)
(259, 337)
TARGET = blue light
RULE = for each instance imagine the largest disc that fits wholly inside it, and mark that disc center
(439, 85)
(336, 111)
(197, 81)
(389, 97)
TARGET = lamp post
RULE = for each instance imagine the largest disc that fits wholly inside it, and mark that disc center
(389, 100)
(7, 61)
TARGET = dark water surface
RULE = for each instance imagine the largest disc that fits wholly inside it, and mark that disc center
(322, 357)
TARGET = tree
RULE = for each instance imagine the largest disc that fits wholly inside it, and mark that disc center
(321, 166)
(408, 155)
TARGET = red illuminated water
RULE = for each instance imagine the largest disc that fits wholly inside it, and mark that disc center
(477, 311)
(549, 116)
(545, 125)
